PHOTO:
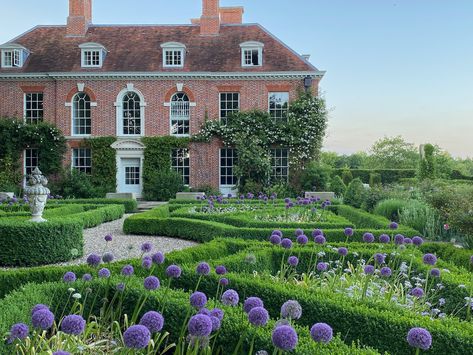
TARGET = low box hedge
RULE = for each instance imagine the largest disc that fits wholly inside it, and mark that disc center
(130, 204)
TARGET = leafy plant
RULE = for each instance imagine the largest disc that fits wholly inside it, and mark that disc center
(315, 177)
(163, 185)
(337, 186)
(355, 194)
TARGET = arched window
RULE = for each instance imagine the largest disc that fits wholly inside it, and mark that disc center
(81, 121)
(131, 114)
(180, 113)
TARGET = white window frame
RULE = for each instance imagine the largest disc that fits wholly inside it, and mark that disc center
(91, 51)
(25, 167)
(180, 168)
(18, 55)
(269, 103)
(80, 167)
(92, 47)
(227, 110)
(220, 175)
(37, 110)
(251, 46)
(274, 155)
(119, 111)
(171, 118)
(92, 104)
(173, 47)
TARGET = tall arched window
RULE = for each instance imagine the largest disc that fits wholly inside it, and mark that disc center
(131, 114)
(81, 121)
(180, 114)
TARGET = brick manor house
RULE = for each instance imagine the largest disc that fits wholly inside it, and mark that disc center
(132, 81)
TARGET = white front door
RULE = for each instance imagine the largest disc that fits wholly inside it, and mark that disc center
(130, 176)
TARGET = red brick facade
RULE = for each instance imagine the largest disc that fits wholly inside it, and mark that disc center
(203, 89)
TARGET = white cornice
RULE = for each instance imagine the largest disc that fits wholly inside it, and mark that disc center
(164, 75)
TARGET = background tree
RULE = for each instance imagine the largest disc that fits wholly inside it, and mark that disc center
(393, 153)
(427, 163)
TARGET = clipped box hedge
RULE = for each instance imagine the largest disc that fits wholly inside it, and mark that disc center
(388, 176)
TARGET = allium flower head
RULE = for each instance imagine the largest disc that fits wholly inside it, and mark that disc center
(293, 260)
(43, 319)
(284, 337)
(252, 302)
(302, 239)
(151, 283)
(120, 287)
(94, 260)
(368, 237)
(203, 268)
(348, 232)
(343, 251)
(104, 273)
(39, 307)
(399, 239)
(419, 338)
(61, 352)
(107, 257)
(158, 258)
(471, 260)
(368, 269)
(108, 238)
(386, 271)
(137, 337)
(435, 272)
(380, 258)
(258, 316)
(322, 266)
(173, 271)
(87, 277)
(429, 259)
(407, 241)
(393, 225)
(146, 247)
(69, 277)
(73, 324)
(317, 232)
(147, 262)
(200, 325)
(321, 333)
(220, 270)
(277, 232)
(128, 270)
(319, 239)
(291, 309)
(286, 243)
(215, 323)
(217, 312)
(384, 238)
(223, 281)
(275, 239)
(298, 232)
(417, 241)
(152, 320)
(417, 292)
(230, 298)
(198, 300)
(18, 331)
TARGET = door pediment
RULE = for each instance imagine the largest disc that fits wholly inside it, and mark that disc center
(128, 144)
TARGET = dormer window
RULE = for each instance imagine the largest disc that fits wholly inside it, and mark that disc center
(92, 55)
(251, 54)
(173, 54)
(13, 55)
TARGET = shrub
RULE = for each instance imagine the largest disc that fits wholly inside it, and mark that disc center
(163, 185)
(390, 208)
(315, 177)
(282, 190)
(337, 186)
(422, 217)
(355, 194)
(250, 186)
(427, 163)
(75, 184)
(373, 196)
(388, 176)
(347, 176)
(375, 179)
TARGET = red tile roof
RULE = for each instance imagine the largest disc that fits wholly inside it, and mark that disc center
(138, 49)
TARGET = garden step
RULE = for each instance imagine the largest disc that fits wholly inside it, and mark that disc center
(148, 205)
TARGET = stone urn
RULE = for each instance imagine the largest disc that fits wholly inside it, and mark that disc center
(37, 193)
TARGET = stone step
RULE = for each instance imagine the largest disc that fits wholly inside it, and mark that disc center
(148, 205)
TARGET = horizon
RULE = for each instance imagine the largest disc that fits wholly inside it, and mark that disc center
(413, 76)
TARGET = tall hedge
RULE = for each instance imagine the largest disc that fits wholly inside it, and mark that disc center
(388, 176)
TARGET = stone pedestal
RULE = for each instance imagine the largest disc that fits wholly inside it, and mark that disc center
(37, 193)
(189, 195)
(322, 195)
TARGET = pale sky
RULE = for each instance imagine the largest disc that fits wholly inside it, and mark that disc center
(394, 67)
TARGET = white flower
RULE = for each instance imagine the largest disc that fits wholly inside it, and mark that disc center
(77, 296)
(71, 289)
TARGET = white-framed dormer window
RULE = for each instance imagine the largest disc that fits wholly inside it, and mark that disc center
(173, 54)
(13, 55)
(251, 54)
(92, 55)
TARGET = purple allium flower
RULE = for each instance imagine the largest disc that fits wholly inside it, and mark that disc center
(286, 243)
(217, 312)
(107, 257)
(380, 258)
(220, 270)
(343, 251)
(137, 337)
(223, 281)
(204, 311)
(302, 239)
(298, 232)
(18, 331)
(384, 238)
(128, 270)
(407, 241)
(146, 247)
(200, 325)
(151, 283)
(369, 269)
(61, 352)
(87, 277)
(393, 225)
(69, 277)
(43, 319)
(258, 316)
(120, 287)
(291, 309)
(173, 271)
(293, 260)
(73, 324)
(386, 271)
(471, 260)
(398, 239)
(215, 323)
(152, 320)
(108, 238)
(203, 268)
(284, 337)
(277, 232)
(419, 338)
(435, 272)
(275, 239)
(429, 259)
(198, 300)
(93, 260)
(104, 273)
(322, 266)
(348, 232)
(417, 241)
(252, 302)
(158, 258)
(317, 232)
(321, 333)
(39, 307)
(287, 200)
(230, 298)
(417, 292)
(319, 239)
(368, 237)
(147, 262)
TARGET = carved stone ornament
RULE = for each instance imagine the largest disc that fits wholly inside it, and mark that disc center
(37, 193)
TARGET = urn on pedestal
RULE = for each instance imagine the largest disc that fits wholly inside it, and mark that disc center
(37, 193)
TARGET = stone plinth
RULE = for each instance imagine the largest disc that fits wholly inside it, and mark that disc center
(322, 195)
(189, 195)
(121, 195)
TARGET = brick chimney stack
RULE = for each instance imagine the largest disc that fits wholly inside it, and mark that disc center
(80, 17)
(210, 19)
